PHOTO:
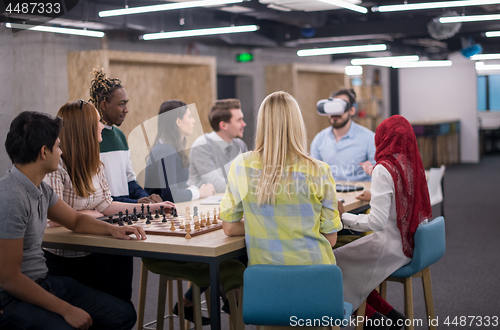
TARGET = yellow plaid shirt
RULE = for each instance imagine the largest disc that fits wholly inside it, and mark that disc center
(289, 232)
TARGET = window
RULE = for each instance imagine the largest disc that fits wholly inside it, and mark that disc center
(488, 93)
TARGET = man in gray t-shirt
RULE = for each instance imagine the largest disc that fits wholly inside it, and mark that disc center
(211, 154)
(35, 299)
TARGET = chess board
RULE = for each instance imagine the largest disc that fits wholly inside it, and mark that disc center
(157, 227)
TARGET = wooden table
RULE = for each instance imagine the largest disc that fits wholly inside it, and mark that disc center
(212, 248)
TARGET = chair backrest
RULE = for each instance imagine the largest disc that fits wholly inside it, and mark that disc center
(275, 294)
(434, 184)
(430, 244)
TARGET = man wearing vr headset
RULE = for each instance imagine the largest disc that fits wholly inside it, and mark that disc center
(347, 147)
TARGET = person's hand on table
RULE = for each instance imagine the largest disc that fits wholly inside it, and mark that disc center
(367, 167)
(153, 198)
(365, 196)
(340, 208)
(123, 232)
(206, 189)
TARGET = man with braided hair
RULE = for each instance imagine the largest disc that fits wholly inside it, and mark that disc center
(110, 99)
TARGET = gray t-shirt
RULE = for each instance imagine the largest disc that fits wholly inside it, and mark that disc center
(210, 159)
(24, 215)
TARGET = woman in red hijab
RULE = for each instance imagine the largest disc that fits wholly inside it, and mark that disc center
(399, 203)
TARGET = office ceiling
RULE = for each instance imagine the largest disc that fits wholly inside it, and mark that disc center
(308, 24)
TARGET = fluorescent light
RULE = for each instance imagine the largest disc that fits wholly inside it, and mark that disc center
(432, 5)
(87, 33)
(490, 34)
(169, 6)
(384, 61)
(353, 70)
(480, 66)
(341, 50)
(485, 57)
(474, 18)
(278, 7)
(346, 5)
(421, 64)
(200, 32)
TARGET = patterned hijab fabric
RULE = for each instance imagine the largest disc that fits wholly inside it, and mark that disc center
(397, 151)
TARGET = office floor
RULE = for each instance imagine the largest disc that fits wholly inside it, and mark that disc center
(465, 281)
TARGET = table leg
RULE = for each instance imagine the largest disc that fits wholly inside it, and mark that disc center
(214, 294)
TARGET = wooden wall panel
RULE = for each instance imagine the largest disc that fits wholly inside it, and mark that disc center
(280, 78)
(149, 80)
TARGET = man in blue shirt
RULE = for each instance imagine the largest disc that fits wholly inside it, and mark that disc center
(347, 147)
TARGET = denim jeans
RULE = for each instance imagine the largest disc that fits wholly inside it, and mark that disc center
(107, 312)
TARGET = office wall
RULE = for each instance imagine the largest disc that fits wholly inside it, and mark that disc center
(33, 66)
(444, 93)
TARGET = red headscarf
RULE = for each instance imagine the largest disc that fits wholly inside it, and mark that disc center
(397, 151)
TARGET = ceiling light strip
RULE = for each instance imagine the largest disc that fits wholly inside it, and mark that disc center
(473, 18)
(386, 61)
(342, 50)
(491, 34)
(480, 66)
(200, 32)
(346, 5)
(485, 57)
(421, 64)
(41, 28)
(433, 5)
(169, 6)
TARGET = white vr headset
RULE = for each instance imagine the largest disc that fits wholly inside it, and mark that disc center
(332, 107)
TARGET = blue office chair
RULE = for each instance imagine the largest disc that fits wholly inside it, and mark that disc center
(430, 245)
(277, 295)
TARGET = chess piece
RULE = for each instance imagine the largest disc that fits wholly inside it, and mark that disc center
(218, 215)
(195, 210)
(148, 221)
(175, 214)
(129, 220)
(172, 226)
(202, 221)
(188, 230)
(143, 216)
(120, 215)
(215, 220)
(181, 226)
(162, 211)
(196, 222)
(149, 209)
(110, 219)
(207, 220)
(164, 218)
(156, 214)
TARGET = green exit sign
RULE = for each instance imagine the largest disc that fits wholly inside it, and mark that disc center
(244, 57)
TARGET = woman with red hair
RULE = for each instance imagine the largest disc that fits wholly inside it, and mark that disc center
(399, 204)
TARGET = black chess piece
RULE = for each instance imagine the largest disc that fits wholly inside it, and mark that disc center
(120, 215)
(110, 219)
(172, 211)
(162, 211)
(120, 223)
(175, 213)
(129, 220)
(164, 218)
(149, 209)
(195, 211)
(148, 221)
(143, 216)
(156, 214)
(126, 212)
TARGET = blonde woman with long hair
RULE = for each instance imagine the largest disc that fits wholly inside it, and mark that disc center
(288, 198)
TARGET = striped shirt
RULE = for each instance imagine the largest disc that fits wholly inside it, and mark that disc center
(289, 232)
(100, 200)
